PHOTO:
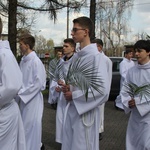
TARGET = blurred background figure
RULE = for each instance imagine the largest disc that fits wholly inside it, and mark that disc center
(108, 62)
(52, 84)
(124, 66)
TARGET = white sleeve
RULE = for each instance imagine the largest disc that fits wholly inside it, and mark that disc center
(53, 94)
(39, 82)
(10, 78)
(123, 70)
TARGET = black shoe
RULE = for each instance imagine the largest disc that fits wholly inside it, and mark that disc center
(100, 136)
(117, 108)
(115, 105)
(42, 147)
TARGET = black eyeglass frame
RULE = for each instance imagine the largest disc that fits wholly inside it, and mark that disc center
(76, 29)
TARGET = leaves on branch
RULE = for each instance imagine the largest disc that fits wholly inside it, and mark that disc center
(80, 74)
(133, 90)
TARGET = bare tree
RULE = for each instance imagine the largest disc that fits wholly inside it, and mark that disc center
(12, 30)
(93, 15)
(41, 43)
(12, 7)
(141, 35)
(112, 21)
(50, 44)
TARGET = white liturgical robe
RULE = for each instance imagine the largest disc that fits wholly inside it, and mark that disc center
(11, 128)
(81, 119)
(109, 75)
(138, 130)
(124, 66)
(61, 104)
(58, 97)
(31, 103)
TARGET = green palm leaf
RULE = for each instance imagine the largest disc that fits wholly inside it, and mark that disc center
(84, 76)
(133, 90)
(54, 69)
(80, 74)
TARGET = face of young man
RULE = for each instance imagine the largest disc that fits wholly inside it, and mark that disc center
(129, 55)
(24, 48)
(59, 55)
(68, 49)
(78, 33)
(142, 56)
(99, 47)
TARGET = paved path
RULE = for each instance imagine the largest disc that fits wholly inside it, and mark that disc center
(113, 136)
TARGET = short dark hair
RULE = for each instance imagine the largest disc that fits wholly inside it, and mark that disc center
(28, 39)
(59, 50)
(1, 26)
(70, 41)
(85, 22)
(98, 41)
(142, 44)
(127, 51)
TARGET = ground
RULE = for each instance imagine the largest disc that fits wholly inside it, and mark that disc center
(114, 131)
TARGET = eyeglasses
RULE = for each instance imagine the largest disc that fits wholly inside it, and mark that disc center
(76, 29)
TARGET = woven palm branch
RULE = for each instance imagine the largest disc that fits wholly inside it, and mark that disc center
(133, 90)
(85, 77)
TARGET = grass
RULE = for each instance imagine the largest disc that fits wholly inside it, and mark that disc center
(45, 92)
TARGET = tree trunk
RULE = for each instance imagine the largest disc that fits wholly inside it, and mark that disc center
(12, 23)
(92, 15)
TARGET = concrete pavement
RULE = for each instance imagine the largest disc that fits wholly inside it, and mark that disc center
(113, 136)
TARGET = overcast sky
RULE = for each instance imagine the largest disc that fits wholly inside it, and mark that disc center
(57, 31)
(139, 22)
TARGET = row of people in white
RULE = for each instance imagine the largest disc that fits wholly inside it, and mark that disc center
(80, 122)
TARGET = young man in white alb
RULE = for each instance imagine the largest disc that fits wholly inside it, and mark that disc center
(124, 66)
(68, 51)
(31, 97)
(135, 95)
(81, 120)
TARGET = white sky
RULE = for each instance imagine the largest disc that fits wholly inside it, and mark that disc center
(57, 31)
(139, 22)
(140, 19)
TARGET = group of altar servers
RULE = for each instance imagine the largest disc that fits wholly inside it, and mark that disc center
(78, 117)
